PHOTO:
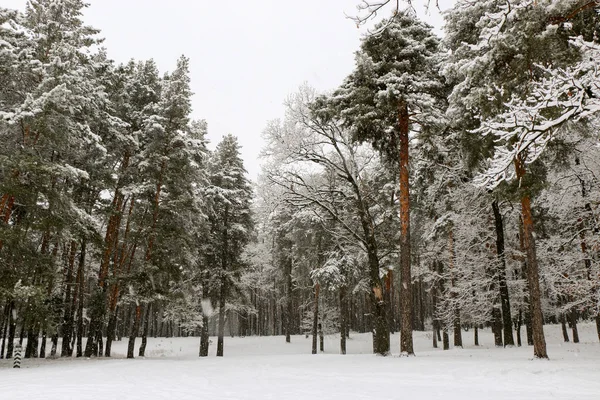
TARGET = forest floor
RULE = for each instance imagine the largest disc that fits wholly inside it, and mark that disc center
(268, 368)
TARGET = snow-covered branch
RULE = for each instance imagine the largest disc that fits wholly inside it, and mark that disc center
(528, 125)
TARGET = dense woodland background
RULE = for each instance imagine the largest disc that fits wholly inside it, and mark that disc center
(447, 184)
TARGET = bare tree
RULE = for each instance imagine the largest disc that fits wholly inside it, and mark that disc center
(320, 167)
(369, 9)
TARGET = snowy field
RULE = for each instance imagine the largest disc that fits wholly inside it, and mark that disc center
(268, 368)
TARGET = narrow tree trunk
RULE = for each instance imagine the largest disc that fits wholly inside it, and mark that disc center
(526, 317)
(5, 327)
(30, 341)
(91, 346)
(110, 332)
(573, 321)
(54, 346)
(12, 328)
(315, 320)
(446, 338)
(406, 339)
(457, 332)
(80, 289)
(528, 327)
(453, 294)
(204, 339)
(518, 329)
(563, 325)
(537, 319)
(67, 323)
(504, 296)
(43, 346)
(289, 305)
(321, 339)
(22, 334)
(134, 331)
(142, 351)
(584, 247)
(388, 300)
(442, 285)
(35, 340)
(497, 327)
(343, 318)
(476, 336)
(434, 323)
(100, 341)
(221, 326)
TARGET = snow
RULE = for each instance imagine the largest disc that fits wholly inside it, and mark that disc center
(268, 368)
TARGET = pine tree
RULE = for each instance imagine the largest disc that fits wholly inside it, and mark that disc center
(500, 63)
(230, 218)
(394, 89)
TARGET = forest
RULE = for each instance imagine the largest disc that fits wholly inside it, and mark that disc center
(448, 184)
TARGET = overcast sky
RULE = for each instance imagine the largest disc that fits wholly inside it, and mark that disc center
(246, 56)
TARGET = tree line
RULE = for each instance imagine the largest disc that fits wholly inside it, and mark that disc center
(446, 184)
(116, 219)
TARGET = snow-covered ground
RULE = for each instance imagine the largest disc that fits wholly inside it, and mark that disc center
(268, 368)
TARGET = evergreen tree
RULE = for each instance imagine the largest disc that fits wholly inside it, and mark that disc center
(396, 89)
(230, 218)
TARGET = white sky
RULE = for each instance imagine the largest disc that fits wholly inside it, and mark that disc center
(246, 56)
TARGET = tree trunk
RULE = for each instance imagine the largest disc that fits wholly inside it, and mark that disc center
(54, 346)
(504, 296)
(67, 323)
(204, 339)
(434, 323)
(563, 326)
(406, 339)
(100, 341)
(315, 327)
(442, 286)
(142, 351)
(221, 326)
(457, 332)
(380, 325)
(343, 318)
(518, 328)
(289, 305)
(30, 341)
(446, 338)
(5, 326)
(134, 331)
(584, 247)
(80, 289)
(43, 345)
(528, 326)
(497, 326)
(476, 336)
(110, 332)
(453, 294)
(537, 319)
(573, 323)
(321, 339)
(12, 328)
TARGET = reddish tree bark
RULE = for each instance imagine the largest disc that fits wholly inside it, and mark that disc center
(537, 319)
(406, 339)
